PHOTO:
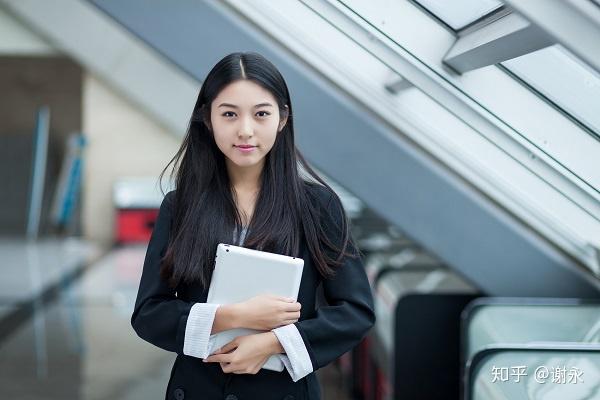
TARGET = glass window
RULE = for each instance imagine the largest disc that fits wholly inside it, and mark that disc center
(460, 13)
(560, 77)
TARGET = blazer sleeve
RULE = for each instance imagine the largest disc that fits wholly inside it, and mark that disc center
(159, 317)
(349, 314)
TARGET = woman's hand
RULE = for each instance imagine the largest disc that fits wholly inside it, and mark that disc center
(246, 354)
(265, 312)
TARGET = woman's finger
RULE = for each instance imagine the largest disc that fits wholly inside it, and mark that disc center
(228, 368)
(286, 299)
(222, 364)
(218, 358)
(291, 307)
(227, 348)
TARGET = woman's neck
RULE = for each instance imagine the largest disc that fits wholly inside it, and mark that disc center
(245, 179)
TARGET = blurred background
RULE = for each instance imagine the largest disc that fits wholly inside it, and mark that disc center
(463, 137)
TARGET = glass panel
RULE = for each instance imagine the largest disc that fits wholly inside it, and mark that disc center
(459, 13)
(560, 77)
(573, 375)
(550, 139)
(521, 324)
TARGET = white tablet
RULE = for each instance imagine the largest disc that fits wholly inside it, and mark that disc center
(242, 273)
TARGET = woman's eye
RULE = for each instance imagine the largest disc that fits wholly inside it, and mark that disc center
(229, 113)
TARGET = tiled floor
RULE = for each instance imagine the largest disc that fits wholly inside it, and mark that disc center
(78, 343)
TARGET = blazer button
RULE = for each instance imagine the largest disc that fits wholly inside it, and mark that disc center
(231, 397)
(179, 394)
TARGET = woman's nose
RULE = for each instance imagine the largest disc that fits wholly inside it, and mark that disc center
(246, 129)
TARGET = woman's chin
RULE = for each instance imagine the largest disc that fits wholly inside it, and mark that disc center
(245, 162)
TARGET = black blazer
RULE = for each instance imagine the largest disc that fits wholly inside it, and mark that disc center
(328, 331)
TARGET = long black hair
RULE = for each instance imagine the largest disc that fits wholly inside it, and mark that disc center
(204, 210)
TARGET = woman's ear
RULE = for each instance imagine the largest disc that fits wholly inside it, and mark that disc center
(283, 118)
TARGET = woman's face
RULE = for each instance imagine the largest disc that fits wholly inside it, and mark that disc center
(245, 114)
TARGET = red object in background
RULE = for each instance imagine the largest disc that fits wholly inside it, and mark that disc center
(135, 225)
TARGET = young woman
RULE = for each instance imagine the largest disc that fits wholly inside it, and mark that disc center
(238, 182)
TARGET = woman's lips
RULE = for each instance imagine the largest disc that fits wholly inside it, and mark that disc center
(246, 149)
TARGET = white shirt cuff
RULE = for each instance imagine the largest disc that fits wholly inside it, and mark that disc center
(296, 360)
(199, 324)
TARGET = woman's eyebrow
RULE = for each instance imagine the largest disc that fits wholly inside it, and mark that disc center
(234, 106)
